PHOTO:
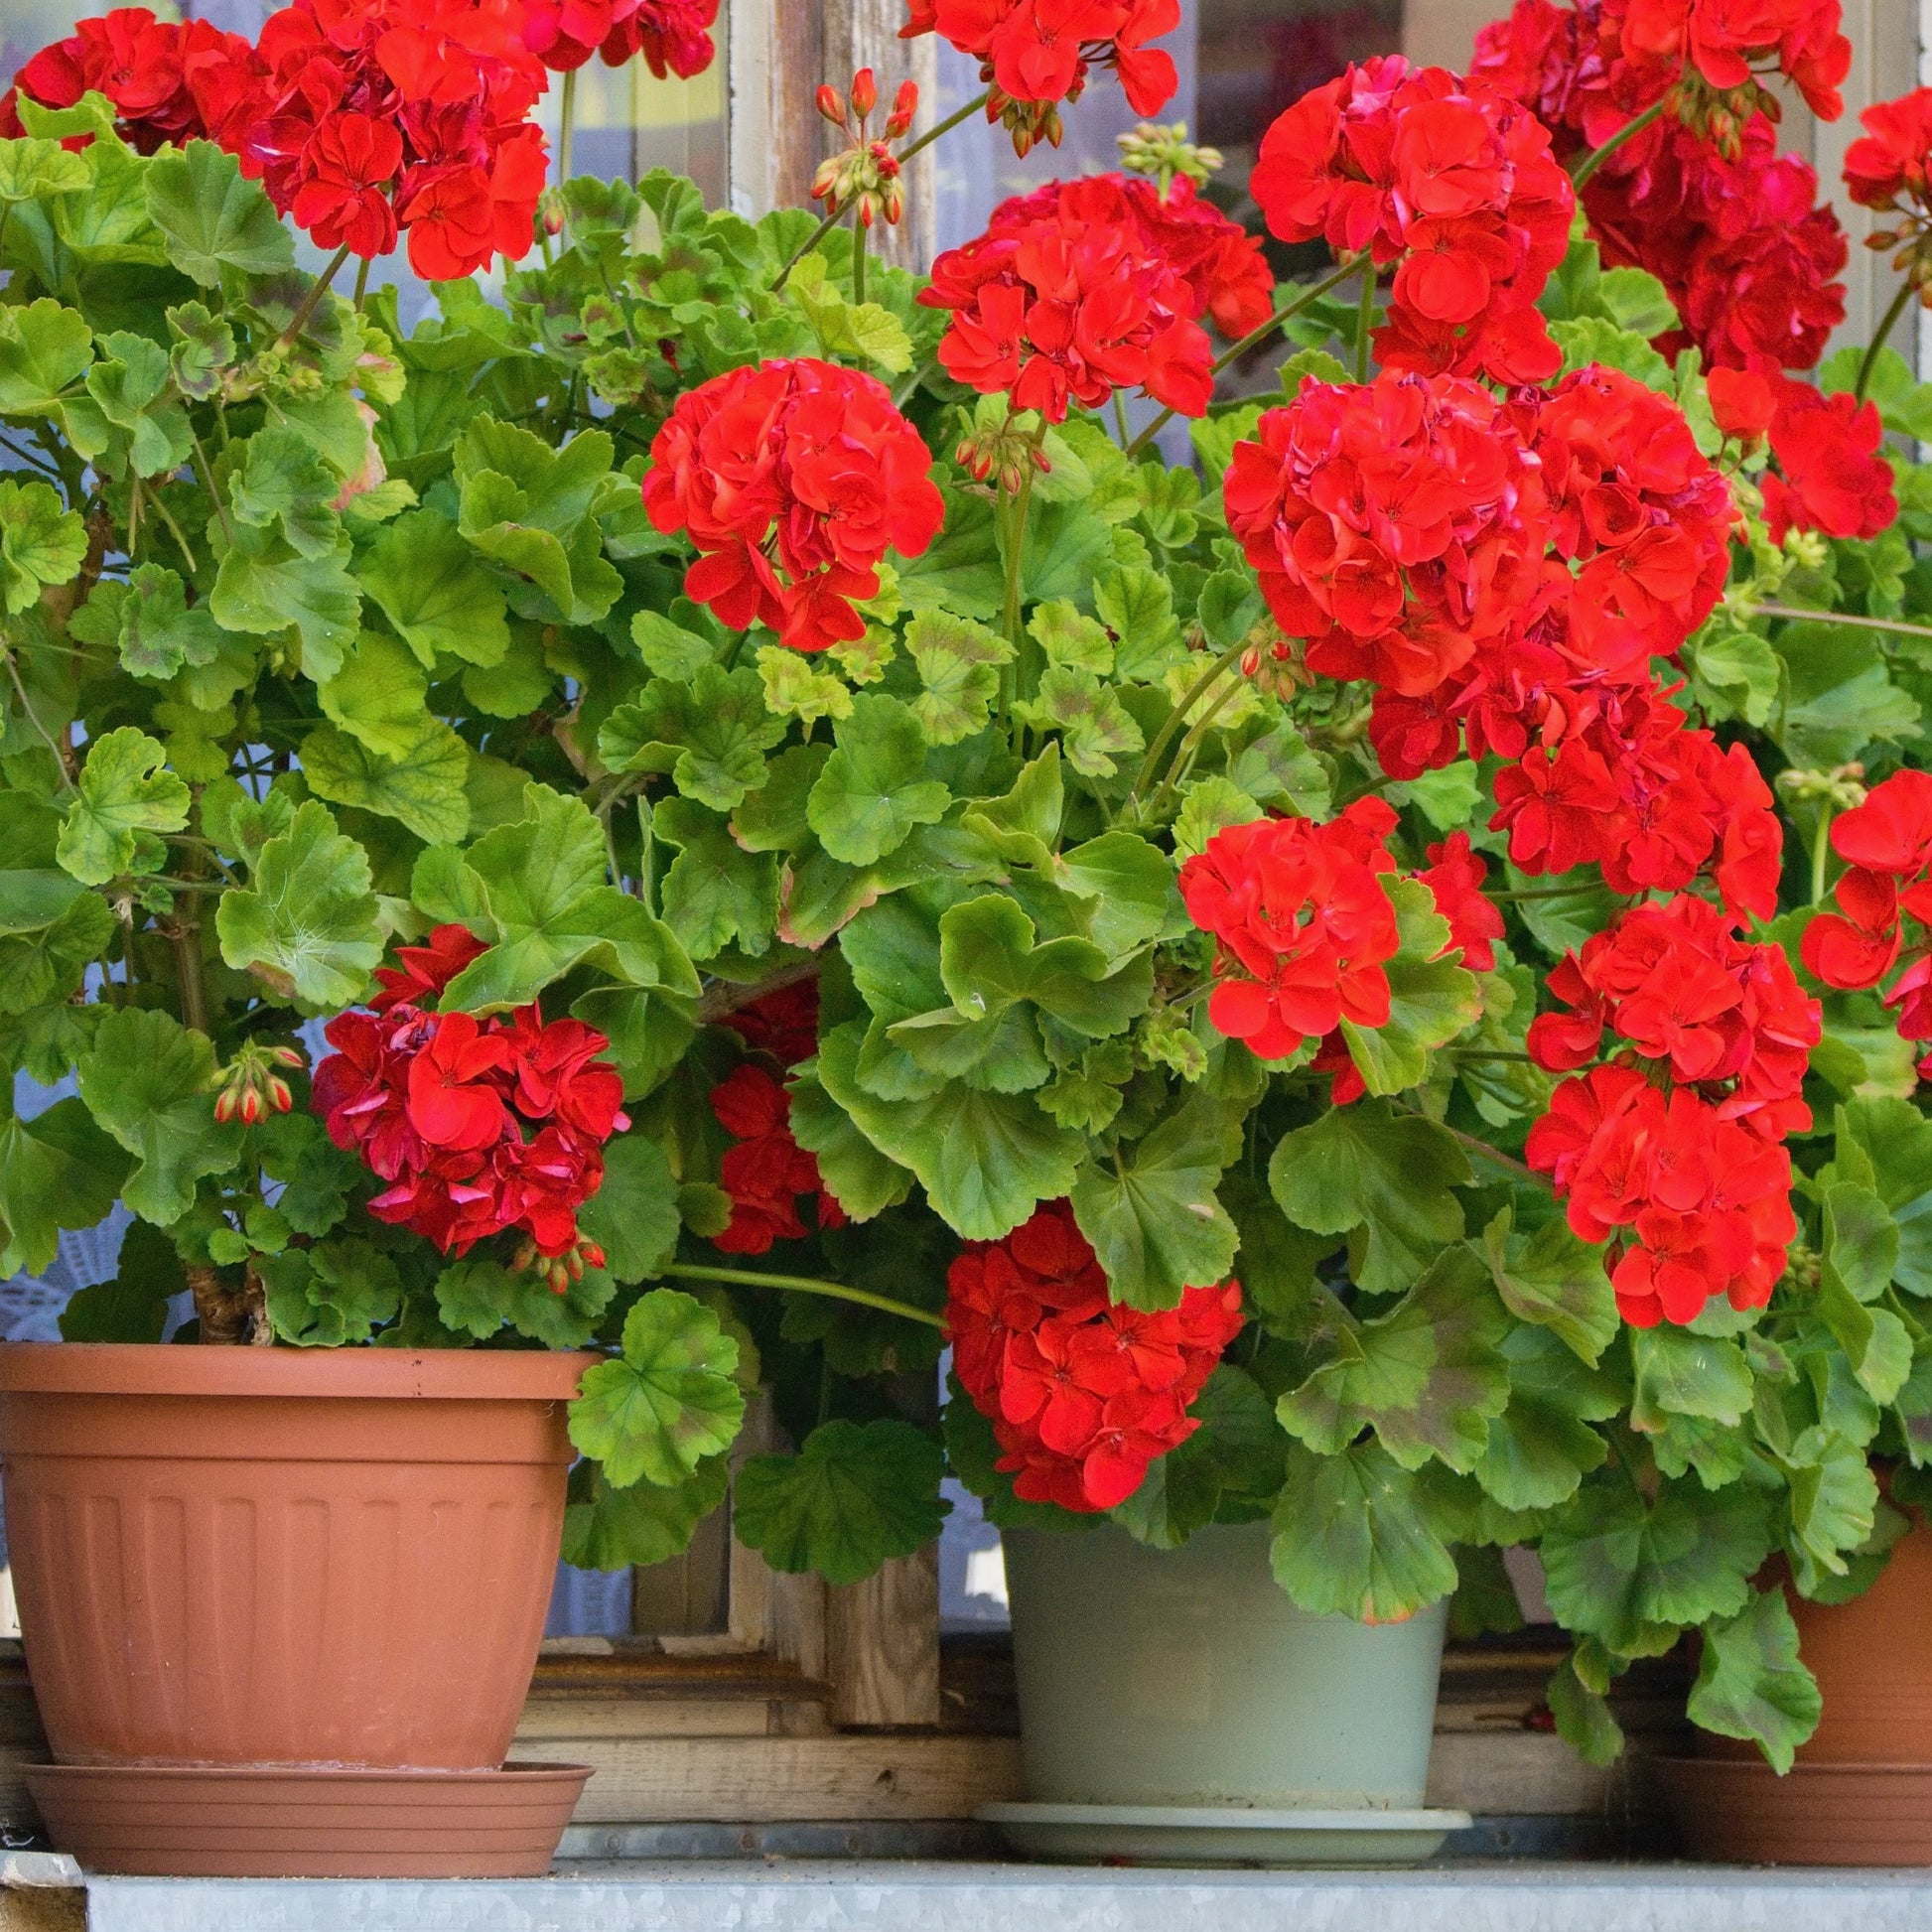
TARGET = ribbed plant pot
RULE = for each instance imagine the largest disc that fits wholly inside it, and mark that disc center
(333, 1559)
(1861, 1790)
(1185, 1681)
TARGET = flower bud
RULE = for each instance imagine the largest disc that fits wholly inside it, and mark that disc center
(865, 93)
(592, 1253)
(905, 103)
(279, 1096)
(551, 207)
(287, 1056)
(830, 104)
(251, 1105)
(225, 1105)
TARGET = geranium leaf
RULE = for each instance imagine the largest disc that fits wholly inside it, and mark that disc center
(211, 218)
(1389, 1173)
(201, 346)
(873, 791)
(985, 1160)
(1752, 1681)
(1207, 806)
(147, 1082)
(332, 1293)
(40, 543)
(1896, 1139)
(33, 169)
(669, 1401)
(378, 698)
(480, 1296)
(634, 1215)
(133, 1306)
(1096, 728)
(710, 735)
(1428, 1376)
(307, 923)
(1152, 1212)
(1239, 1452)
(1430, 1000)
(131, 390)
(1834, 1502)
(49, 963)
(1583, 1718)
(715, 891)
(45, 349)
(265, 585)
(958, 662)
(667, 649)
(1678, 1373)
(157, 632)
(433, 589)
(862, 1181)
(1556, 1279)
(1541, 1446)
(1353, 1537)
(283, 482)
(850, 1500)
(1069, 639)
(615, 1529)
(56, 1171)
(1132, 886)
(420, 784)
(124, 789)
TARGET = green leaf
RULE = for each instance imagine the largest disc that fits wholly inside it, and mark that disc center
(634, 1215)
(989, 960)
(45, 349)
(201, 346)
(133, 1306)
(378, 697)
(422, 786)
(132, 391)
(544, 879)
(1353, 1537)
(265, 585)
(440, 600)
(147, 1082)
(124, 790)
(1678, 1373)
(49, 964)
(710, 735)
(1238, 1454)
(56, 1171)
(1389, 1173)
(715, 892)
(1593, 340)
(1752, 1684)
(873, 791)
(862, 1181)
(986, 1159)
(850, 1500)
(479, 1295)
(1096, 728)
(159, 634)
(1071, 640)
(211, 218)
(614, 1529)
(1132, 886)
(332, 1293)
(1152, 1212)
(33, 170)
(1427, 1377)
(1556, 1279)
(1541, 1446)
(1838, 696)
(1741, 669)
(669, 1401)
(958, 662)
(1630, 1571)
(1637, 301)
(283, 482)
(667, 649)
(1896, 1139)
(1833, 1501)
(1430, 1000)
(1584, 1720)
(40, 543)
(307, 923)
(1137, 605)
(1207, 806)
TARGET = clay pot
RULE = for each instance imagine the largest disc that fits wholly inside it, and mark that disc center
(1861, 1791)
(282, 1557)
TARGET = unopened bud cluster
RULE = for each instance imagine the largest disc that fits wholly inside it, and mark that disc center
(864, 178)
(1165, 153)
(250, 1089)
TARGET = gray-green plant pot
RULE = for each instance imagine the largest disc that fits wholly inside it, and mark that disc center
(1188, 1678)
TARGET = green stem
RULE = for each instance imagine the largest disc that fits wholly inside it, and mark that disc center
(804, 1285)
(1846, 620)
(567, 125)
(1314, 293)
(1592, 161)
(858, 259)
(213, 496)
(1190, 745)
(1541, 892)
(32, 718)
(362, 282)
(1821, 852)
(946, 126)
(299, 319)
(1189, 699)
(162, 510)
(1364, 321)
(1121, 434)
(806, 246)
(1507, 1161)
(1905, 293)
(1483, 1054)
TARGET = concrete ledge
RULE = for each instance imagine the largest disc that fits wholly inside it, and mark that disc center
(849, 1896)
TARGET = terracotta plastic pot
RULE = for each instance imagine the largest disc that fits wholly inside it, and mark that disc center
(1861, 1792)
(282, 1557)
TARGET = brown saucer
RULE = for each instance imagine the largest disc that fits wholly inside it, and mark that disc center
(218, 1821)
(1738, 1811)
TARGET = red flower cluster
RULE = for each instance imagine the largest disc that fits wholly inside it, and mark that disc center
(1711, 1010)
(1219, 261)
(1068, 297)
(365, 116)
(1298, 909)
(1887, 845)
(783, 1023)
(672, 34)
(1729, 43)
(1394, 524)
(1832, 477)
(793, 479)
(767, 1170)
(1699, 1206)
(1082, 1394)
(1887, 167)
(167, 81)
(1035, 54)
(438, 1105)
(1736, 237)
(1455, 182)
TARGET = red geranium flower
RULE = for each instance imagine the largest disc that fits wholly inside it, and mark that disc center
(767, 1170)
(1832, 477)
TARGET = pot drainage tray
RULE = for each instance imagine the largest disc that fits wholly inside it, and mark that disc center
(1222, 1833)
(219, 1821)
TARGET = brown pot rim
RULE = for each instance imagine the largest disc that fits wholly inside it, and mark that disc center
(382, 1374)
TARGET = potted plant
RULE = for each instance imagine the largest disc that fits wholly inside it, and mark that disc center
(812, 836)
